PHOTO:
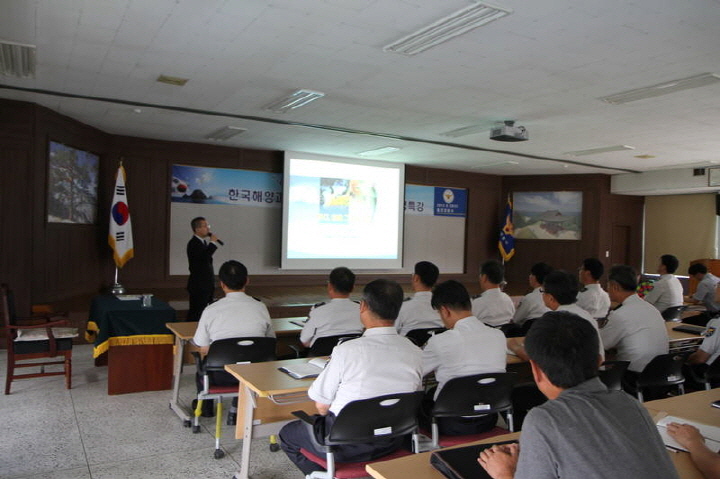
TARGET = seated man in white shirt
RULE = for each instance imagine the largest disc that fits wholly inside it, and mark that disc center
(592, 298)
(532, 305)
(708, 351)
(416, 312)
(667, 291)
(338, 316)
(467, 347)
(704, 294)
(378, 363)
(234, 316)
(493, 307)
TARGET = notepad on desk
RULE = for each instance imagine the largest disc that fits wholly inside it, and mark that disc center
(310, 369)
(710, 433)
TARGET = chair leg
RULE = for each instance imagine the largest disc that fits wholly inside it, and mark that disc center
(435, 435)
(640, 395)
(510, 423)
(8, 377)
(196, 416)
(68, 372)
(219, 453)
(681, 388)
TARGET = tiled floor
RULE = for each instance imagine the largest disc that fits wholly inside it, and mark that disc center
(50, 432)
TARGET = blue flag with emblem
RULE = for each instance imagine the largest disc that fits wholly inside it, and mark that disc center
(507, 238)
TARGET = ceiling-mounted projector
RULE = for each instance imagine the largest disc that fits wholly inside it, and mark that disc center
(509, 132)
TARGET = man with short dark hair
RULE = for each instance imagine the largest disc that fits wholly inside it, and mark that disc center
(380, 362)
(235, 315)
(532, 305)
(584, 430)
(201, 282)
(416, 312)
(493, 307)
(704, 294)
(467, 347)
(667, 292)
(592, 298)
(339, 316)
(635, 328)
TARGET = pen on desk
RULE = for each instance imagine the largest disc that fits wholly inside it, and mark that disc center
(672, 449)
(297, 323)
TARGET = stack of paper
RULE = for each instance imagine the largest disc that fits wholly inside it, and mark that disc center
(710, 433)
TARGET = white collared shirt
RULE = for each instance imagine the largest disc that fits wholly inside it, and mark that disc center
(666, 293)
(706, 292)
(338, 316)
(234, 316)
(638, 332)
(377, 363)
(493, 307)
(595, 300)
(471, 347)
(575, 309)
(711, 343)
(417, 313)
(531, 306)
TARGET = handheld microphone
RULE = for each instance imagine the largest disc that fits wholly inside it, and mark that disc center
(220, 242)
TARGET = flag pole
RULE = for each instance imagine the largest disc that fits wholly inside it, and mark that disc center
(117, 287)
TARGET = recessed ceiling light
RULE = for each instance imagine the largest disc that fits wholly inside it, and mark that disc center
(137, 110)
(497, 163)
(604, 149)
(175, 81)
(457, 23)
(379, 151)
(17, 59)
(225, 133)
(466, 130)
(294, 100)
(664, 88)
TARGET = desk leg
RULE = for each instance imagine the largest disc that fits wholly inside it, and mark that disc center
(248, 415)
(174, 405)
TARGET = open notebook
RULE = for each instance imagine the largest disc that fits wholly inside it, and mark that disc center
(710, 433)
(310, 369)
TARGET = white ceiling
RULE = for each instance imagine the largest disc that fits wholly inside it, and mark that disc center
(546, 65)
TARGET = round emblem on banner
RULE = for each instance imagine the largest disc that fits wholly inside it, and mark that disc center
(120, 213)
(448, 196)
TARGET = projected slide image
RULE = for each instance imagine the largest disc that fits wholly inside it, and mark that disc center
(352, 213)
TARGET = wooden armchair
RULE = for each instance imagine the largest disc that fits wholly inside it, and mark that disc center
(50, 339)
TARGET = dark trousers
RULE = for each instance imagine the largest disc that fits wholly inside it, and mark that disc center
(297, 435)
(455, 426)
(198, 300)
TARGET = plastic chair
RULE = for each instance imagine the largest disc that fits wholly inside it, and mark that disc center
(663, 370)
(421, 336)
(51, 339)
(611, 374)
(364, 421)
(710, 375)
(469, 396)
(324, 346)
(217, 383)
(673, 313)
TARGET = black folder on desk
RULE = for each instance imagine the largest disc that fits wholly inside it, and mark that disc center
(690, 328)
(462, 462)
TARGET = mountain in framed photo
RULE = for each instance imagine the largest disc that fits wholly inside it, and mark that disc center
(552, 215)
(72, 185)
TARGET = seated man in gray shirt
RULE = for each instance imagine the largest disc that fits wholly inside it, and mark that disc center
(584, 430)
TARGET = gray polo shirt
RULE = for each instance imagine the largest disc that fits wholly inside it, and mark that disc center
(592, 433)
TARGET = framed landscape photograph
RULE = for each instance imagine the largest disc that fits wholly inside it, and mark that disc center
(72, 185)
(552, 215)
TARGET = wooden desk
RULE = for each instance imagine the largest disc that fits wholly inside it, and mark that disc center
(267, 397)
(682, 342)
(185, 331)
(693, 406)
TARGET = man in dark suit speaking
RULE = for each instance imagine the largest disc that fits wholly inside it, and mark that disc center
(201, 283)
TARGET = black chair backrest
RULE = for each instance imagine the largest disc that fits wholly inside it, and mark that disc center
(673, 313)
(376, 418)
(236, 350)
(611, 374)
(663, 370)
(421, 336)
(324, 346)
(475, 395)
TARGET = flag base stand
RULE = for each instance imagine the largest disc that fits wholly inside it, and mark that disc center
(118, 288)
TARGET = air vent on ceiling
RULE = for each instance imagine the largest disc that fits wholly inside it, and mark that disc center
(442, 30)
(176, 81)
(294, 100)
(595, 151)
(698, 171)
(225, 133)
(664, 88)
(17, 59)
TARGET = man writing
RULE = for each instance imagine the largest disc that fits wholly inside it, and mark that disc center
(584, 430)
(201, 283)
(378, 363)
